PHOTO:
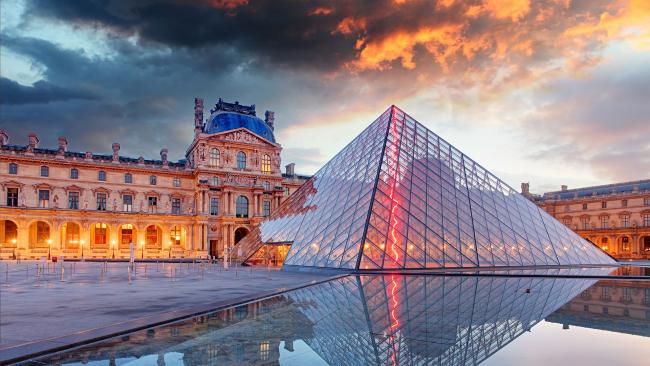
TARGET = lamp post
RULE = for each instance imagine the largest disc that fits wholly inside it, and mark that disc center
(113, 246)
(49, 248)
(82, 242)
(142, 245)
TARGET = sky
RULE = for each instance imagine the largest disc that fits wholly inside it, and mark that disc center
(546, 92)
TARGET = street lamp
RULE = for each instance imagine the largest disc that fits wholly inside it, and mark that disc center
(142, 245)
(170, 249)
(49, 248)
(83, 242)
(113, 246)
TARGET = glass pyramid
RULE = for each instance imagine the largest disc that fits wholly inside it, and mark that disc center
(400, 197)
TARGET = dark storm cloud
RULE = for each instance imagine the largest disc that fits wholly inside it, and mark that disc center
(41, 92)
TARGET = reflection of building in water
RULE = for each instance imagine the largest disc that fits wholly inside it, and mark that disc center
(246, 335)
(614, 305)
(367, 320)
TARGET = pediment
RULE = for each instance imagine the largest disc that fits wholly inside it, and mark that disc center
(243, 136)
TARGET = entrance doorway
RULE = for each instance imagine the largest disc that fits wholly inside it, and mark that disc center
(240, 234)
(213, 248)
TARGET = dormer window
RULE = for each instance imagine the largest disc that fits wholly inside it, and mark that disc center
(241, 160)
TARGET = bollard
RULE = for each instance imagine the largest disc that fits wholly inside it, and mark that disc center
(62, 273)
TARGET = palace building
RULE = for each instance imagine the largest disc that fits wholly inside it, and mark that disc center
(56, 202)
(616, 217)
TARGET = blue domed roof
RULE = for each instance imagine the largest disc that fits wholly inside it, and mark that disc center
(226, 121)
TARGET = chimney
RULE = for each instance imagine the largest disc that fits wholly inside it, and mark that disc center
(269, 118)
(290, 169)
(198, 116)
(525, 189)
(63, 144)
(163, 157)
(564, 187)
(4, 137)
(33, 142)
(116, 152)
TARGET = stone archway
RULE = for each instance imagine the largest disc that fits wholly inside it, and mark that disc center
(240, 233)
(8, 233)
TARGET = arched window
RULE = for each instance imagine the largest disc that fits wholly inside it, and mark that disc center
(266, 164)
(242, 207)
(175, 235)
(215, 158)
(241, 160)
(101, 236)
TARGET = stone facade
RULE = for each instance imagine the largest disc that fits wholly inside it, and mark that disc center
(616, 217)
(54, 202)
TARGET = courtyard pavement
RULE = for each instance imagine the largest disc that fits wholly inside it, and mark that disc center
(43, 306)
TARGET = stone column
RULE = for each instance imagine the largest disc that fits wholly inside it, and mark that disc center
(205, 236)
(255, 208)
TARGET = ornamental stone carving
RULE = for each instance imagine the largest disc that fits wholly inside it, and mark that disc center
(241, 136)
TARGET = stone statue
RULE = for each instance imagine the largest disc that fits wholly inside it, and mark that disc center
(55, 201)
(85, 204)
(114, 204)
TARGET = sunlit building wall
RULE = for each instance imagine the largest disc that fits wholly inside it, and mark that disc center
(57, 202)
(616, 217)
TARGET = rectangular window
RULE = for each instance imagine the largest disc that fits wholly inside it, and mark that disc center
(646, 201)
(153, 203)
(266, 209)
(176, 206)
(45, 171)
(13, 168)
(604, 222)
(646, 220)
(605, 293)
(74, 173)
(567, 222)
(626, 243)
(12, 197)
(43, 198)
(584, 206)
(286, 191)
(625, 221)
(177, 182)
(603, 204)
(128, 178)
(646, 298)
(127, 203)
(584, 223)
(73, 200)
(214, 206)
(624, 203)
(101, 201)
(626, 294)
(153, 180)
(101, 176)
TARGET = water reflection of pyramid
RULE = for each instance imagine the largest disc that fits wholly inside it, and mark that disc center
(399, 196)
(426, 320)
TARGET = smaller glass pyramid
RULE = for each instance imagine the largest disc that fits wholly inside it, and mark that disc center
(400, 197)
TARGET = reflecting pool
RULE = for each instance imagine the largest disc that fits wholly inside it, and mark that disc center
(404, 320)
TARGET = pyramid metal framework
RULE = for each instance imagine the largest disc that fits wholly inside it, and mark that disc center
(400, 197)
